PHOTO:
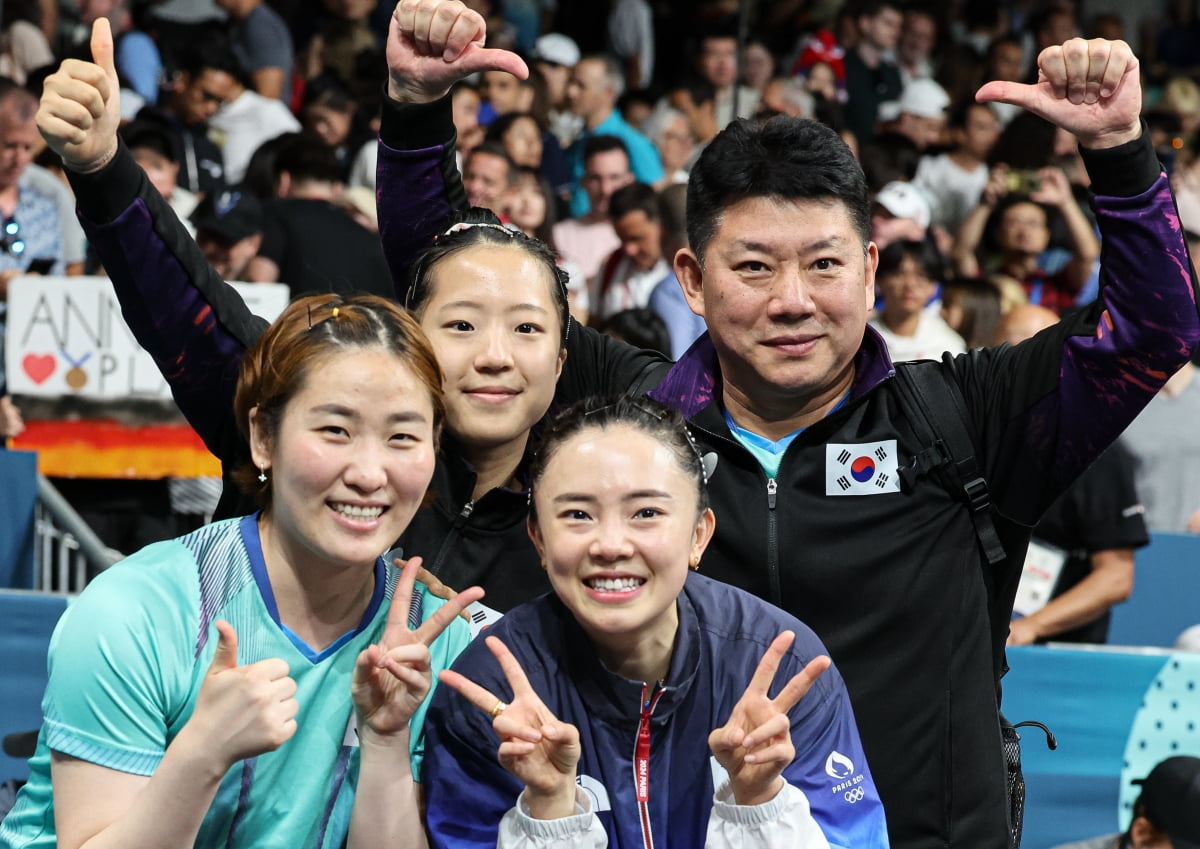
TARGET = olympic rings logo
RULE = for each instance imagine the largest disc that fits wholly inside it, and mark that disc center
(854, 794)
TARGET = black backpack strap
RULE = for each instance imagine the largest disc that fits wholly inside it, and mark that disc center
(937, 411)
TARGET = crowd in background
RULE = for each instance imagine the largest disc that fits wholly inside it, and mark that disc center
(257, 122)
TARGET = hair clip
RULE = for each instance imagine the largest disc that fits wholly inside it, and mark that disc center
(696, 450)
(335, 312)
(467, 225)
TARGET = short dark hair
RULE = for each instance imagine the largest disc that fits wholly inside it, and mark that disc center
(640, 327)
(924, 253)
(784, 157)
(1026, 142)
(307, 158)
(497, 149)
(700, 90)
(488, 232)
(212, 52)
(871, 8)
(672, 212)
(1007, 40)
(960, 113)
(603, 144)
(636, 197)
(502, 124)
(889, 157)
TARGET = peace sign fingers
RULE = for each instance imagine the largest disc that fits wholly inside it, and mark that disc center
(397, 632)
(535, 746)
(764, 674)
(431, 628)
(799, 685)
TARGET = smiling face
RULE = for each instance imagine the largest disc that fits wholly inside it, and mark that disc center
(617, 524)
(349, 461)
(492, 319)
(785, 289)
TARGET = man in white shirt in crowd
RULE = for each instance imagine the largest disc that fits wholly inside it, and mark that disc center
(907, 279)
(246, 121)
(554, 56)
(954, 181)
(920, 113)
(631, 272)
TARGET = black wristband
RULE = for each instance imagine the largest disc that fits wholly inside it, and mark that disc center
(416, 126)
(102, 195)
(1124, 171)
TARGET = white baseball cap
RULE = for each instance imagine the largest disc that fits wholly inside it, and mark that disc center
(556, 48)
(904, 200)
(925, 99)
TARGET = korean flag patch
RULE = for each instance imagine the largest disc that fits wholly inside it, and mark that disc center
(865, 469)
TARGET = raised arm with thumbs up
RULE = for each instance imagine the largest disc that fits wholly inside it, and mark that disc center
(81, 109)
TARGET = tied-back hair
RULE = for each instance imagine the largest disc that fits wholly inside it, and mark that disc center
(663, 424)
(784, 157)
(478, 226)
(298, 343)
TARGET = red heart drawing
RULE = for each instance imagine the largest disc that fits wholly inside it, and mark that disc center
(39, 367)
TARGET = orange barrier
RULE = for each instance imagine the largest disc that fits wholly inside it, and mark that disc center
(102, 448)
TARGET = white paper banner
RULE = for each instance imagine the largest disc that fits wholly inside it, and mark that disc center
(66, 336)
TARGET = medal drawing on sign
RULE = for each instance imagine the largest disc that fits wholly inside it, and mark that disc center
(867, 468)
(76, 378)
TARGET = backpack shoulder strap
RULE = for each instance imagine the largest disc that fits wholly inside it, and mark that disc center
(935, 407)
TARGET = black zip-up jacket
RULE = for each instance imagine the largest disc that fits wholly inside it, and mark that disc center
(891, 577)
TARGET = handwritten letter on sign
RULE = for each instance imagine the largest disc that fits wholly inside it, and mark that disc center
(66, 336)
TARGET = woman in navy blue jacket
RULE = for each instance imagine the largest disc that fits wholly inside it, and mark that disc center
(601, 699)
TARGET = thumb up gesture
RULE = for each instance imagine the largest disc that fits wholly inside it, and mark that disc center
(242, 711)
(80, 109)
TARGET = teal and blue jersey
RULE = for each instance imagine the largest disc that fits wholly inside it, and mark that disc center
(127, 661)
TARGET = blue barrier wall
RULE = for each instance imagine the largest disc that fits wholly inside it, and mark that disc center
(18, 494)
(1115, 713)
(1165, 600)
(26, 622)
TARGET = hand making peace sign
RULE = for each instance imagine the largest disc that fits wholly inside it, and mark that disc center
(537, 747)
(755, 744)
(392, 678)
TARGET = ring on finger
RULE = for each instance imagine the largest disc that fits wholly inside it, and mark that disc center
(498, 709)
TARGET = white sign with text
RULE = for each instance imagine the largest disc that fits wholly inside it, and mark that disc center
(66, 336)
